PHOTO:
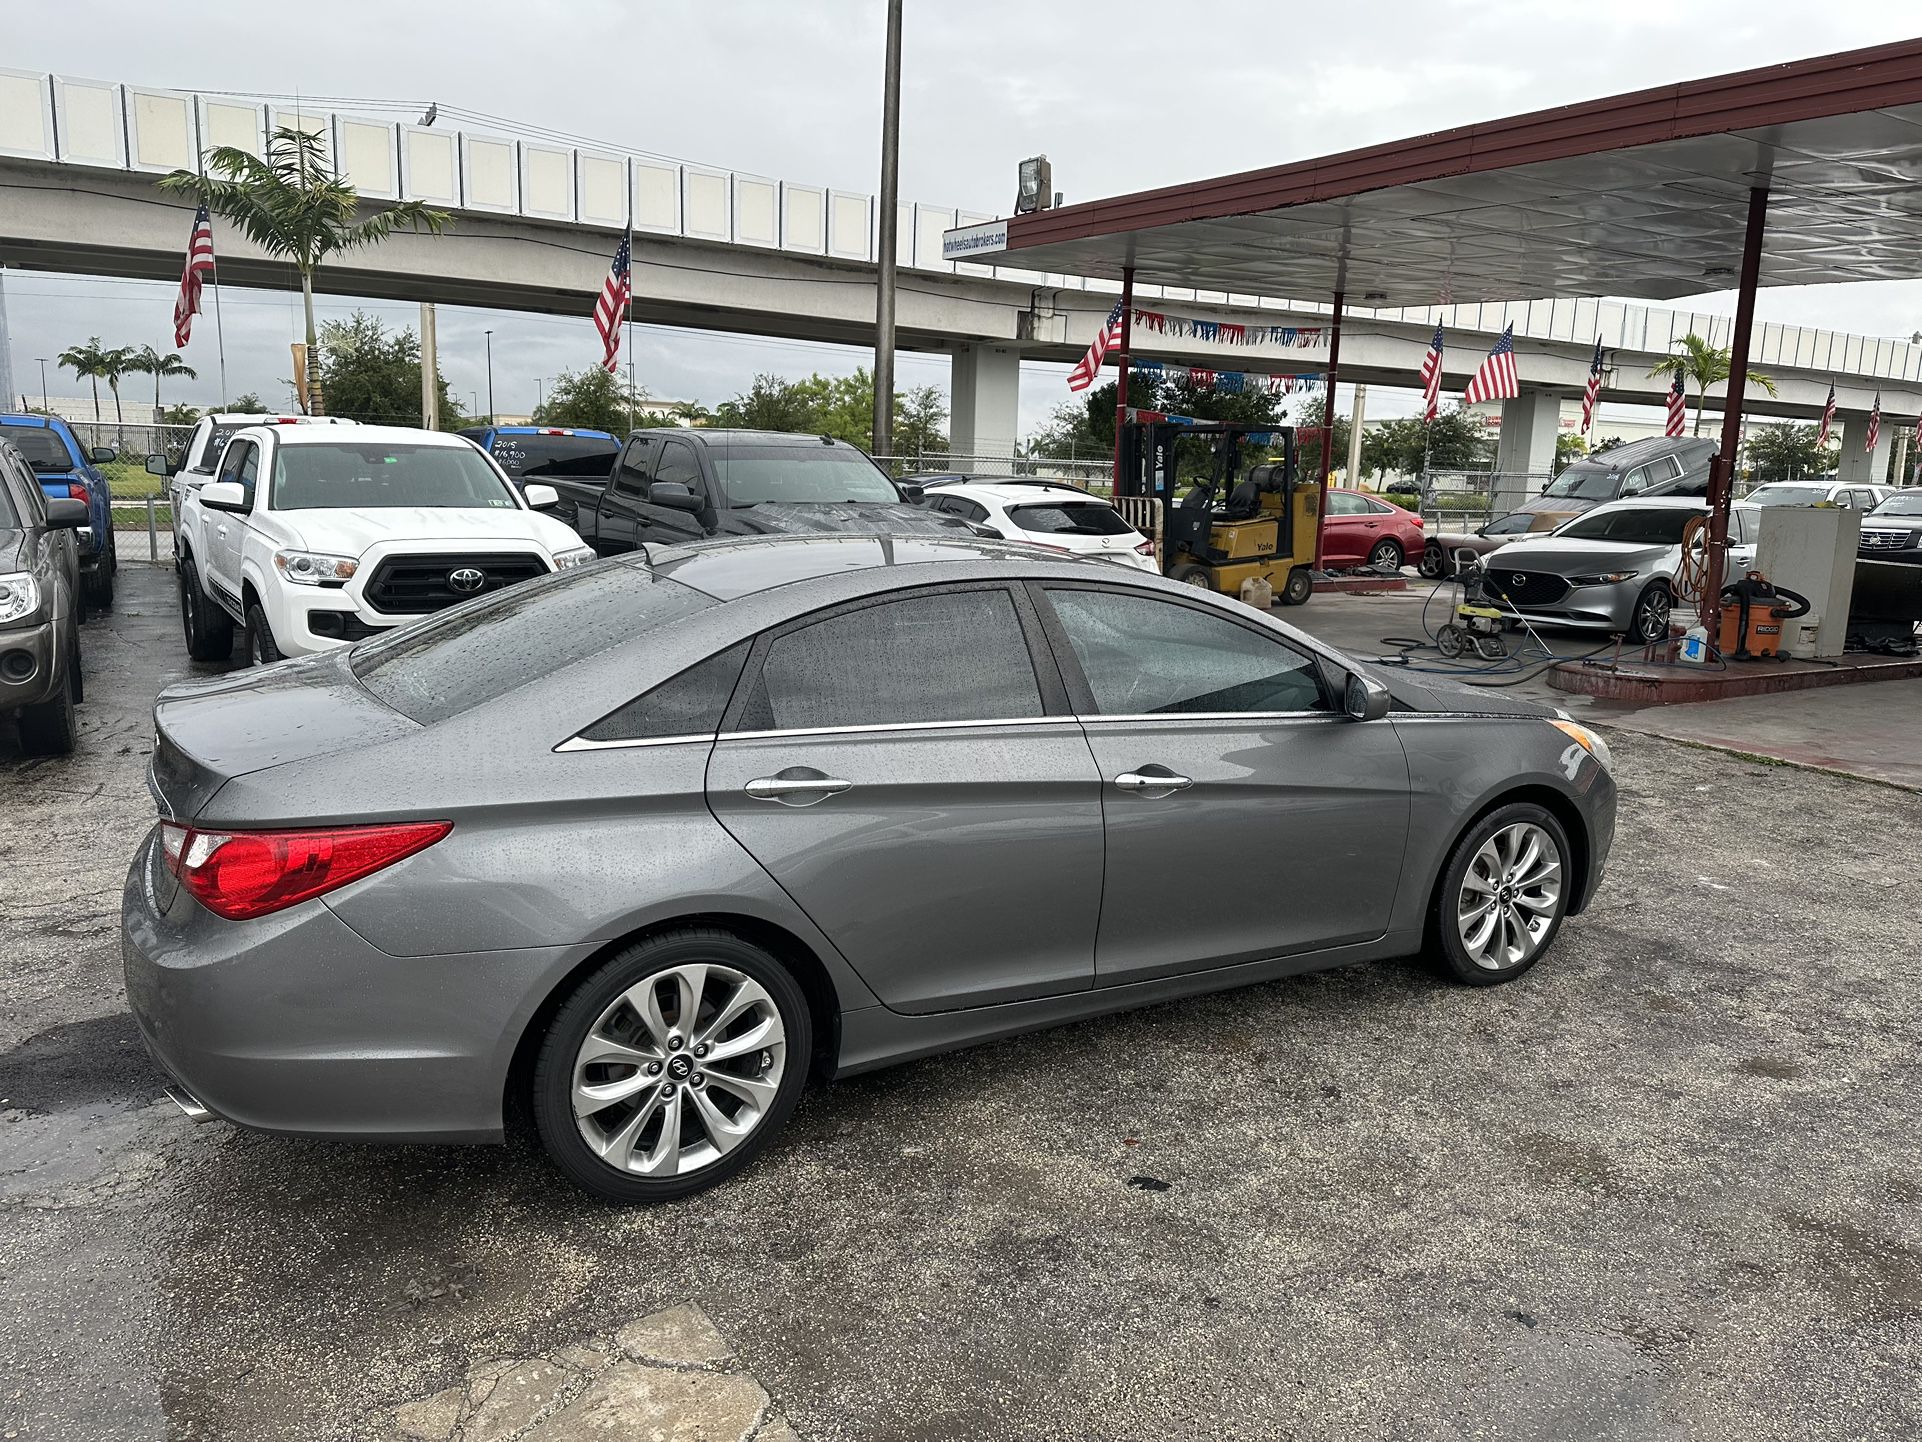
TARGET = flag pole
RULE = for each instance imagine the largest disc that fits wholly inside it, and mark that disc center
(627, 312)
(220, 337)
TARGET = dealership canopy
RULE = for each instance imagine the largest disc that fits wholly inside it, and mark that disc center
(1643, 195)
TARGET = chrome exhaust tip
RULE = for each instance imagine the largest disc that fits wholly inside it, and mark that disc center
(189, 1104)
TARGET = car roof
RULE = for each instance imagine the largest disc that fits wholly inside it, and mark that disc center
(759, 438)
(1013, 491)
(1634, 452)
(739, 566)
(1645, 503)
(376, 435)
(32, 422)
(546, 431)
(279, 418)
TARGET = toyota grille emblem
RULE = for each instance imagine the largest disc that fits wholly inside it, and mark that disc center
(467, 578)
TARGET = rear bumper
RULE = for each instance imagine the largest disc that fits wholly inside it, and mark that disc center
(294, 1024)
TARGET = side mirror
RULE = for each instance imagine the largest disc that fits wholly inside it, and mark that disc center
(540, 498)
(224, 496)
(1365, 700)
(912, 493)
(64, 513)
(157, 466)
(102, 455)
(987, 531)
(674, 496)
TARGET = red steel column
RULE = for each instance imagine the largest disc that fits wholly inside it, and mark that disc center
(1721, 484)
(1328, 427)
(1121, 383)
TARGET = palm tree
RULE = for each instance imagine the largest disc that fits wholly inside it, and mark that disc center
(88, 363)
(294, 205)
(1703, 364)
(691, 413)
(113, 365)
(149, 362)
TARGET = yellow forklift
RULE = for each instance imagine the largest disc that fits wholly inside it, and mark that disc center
(1228, 527)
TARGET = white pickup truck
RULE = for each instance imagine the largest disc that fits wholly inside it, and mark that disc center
(210, 436)
(311, 537)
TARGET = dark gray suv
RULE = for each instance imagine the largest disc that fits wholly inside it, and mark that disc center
(1658, 466)
(644, 843)
(40, 607)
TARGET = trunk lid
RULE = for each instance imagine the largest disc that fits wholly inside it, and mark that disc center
(294, 711)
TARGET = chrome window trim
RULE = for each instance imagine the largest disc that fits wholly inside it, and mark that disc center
(1219, 716)
(581, 743)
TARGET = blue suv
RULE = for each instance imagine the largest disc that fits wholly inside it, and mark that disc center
(534, 453)
(68, 469)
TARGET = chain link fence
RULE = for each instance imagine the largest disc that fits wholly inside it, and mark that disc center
(1453, 501)
(143, 519)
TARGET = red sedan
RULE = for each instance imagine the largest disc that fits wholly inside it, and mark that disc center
(1366, 530)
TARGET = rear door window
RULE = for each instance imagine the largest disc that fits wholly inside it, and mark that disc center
(479, 651)
(937, 656)
(535, 457)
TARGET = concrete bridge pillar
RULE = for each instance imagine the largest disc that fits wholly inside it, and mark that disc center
(985, 401)
(1525, 455)
(1856, 463)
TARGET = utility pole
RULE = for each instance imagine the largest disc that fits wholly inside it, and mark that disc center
(44, 405)
(429, 369)
(490, 376)
(1354, 435)
(884, 267)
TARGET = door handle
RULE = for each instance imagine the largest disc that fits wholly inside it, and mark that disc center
(801, 788)
(1137, 781)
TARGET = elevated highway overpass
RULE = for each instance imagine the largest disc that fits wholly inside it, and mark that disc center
(536, 225)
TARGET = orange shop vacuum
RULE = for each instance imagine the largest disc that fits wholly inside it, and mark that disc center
(1753, 611)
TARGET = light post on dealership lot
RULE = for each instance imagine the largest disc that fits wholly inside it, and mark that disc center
(884, 259)
(490, 376)
(43, 383)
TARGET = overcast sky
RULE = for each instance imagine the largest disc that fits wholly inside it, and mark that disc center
(1120, 94)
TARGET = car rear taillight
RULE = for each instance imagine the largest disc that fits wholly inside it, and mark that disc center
(77, 491)
(1146, 548)
(243, 874)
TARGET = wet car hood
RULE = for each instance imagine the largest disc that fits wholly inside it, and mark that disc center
(775, 518)
(1565, 556)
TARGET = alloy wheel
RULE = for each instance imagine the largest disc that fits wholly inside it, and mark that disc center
(679, 1070)
(1510, 896)
(1652, 613)
(1386, 553)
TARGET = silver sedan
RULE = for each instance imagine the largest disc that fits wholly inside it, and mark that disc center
(642, 846)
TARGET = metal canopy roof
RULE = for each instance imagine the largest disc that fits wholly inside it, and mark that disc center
(1642, 195)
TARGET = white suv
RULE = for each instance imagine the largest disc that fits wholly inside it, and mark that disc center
(1043, 513)
(312, 537)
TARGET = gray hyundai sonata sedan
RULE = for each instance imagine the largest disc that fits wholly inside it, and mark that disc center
(638, 848)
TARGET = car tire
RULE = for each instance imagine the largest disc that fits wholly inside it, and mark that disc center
(1648, 622)
(261, 650)
(1299, 586)
(99, 586)
(1527, 889)
(606, 1013)
(51, 728)
(1387, 553)
(1200, 577)
(1433, 563)
(209, 630)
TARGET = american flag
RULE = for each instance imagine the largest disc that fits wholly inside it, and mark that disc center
(1875, 423)
(1828, 417)
(1677, 408)
(1089, 366)
(1495, 379)
(1593, 392)
(200, 262)
(611, 309)
(1431, 378)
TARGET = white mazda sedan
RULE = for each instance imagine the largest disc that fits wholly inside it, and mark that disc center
(1043, 513)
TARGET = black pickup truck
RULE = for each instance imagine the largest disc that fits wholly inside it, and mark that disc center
(672, 485)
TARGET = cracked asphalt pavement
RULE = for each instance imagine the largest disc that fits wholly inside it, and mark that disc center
(1667, 1186)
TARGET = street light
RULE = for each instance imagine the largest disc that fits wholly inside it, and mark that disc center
(43, 384)
(490, 376)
